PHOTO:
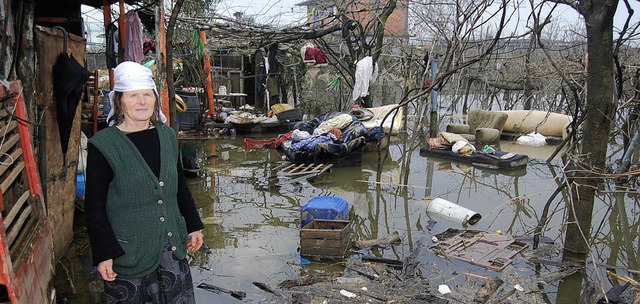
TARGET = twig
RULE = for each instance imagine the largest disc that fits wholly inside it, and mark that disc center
(504, 297)
(625, 279)
(73, 286)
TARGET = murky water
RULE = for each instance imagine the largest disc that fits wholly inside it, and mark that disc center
(252, 222)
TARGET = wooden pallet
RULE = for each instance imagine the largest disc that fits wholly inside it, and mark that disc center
(289, 173)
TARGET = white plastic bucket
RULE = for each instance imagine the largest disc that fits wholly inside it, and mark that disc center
(442, 208)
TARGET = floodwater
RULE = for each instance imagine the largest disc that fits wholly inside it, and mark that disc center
(252, 222)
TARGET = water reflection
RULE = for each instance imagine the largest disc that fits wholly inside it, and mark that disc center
(252, 221)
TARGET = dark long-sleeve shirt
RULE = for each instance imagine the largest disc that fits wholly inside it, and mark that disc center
(103, 241)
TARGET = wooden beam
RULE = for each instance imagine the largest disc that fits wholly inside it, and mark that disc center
(106, 12)
(161, 61)
(123, 31)
(208, 78)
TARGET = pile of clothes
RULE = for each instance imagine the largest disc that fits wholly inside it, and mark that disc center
(324, 139)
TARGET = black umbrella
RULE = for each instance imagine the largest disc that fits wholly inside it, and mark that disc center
(69, 78)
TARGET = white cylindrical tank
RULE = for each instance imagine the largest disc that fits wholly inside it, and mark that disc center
(442, 208)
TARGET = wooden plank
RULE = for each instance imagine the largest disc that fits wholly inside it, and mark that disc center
(58, 176)
(13, 233)
(314, 230)
(281, 166)
(326, 168)
(328, 224)
(317, 169)
(322, 243)
(7, 129)
(12, 176)
(296, 168)
(320, 234)
(326, 252)
(309, 167)
(288, 167)
(299, 179)
(301, 173)
(8, 144)
(20, 252)
(14, 210)
(8, 161)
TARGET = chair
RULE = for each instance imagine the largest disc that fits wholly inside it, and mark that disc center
(90, 110)
(484, 127)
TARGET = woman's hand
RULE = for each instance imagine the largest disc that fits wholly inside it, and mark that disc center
(196, 239)
(106, 270)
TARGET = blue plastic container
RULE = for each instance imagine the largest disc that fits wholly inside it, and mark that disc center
(79, 185)
(324, 208)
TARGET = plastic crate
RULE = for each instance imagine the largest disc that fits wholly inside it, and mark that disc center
(258, 143)
(324, 208)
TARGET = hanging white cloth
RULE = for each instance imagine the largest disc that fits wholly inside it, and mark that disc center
(131, 76)
(366, 74)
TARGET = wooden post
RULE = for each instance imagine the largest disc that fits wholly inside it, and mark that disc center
(161, 61)
(123, 32)
(106, 11)
(208, 79)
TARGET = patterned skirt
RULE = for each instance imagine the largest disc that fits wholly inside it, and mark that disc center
(170, 283)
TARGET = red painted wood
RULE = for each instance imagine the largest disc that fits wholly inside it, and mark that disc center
(28, 282)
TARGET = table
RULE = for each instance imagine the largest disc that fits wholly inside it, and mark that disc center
(235, 97)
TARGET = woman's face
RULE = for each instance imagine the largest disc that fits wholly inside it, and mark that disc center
(138, 105)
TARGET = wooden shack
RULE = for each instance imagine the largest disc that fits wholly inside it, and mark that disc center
(38, 180)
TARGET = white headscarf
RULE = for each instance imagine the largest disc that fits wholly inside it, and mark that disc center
(131, 76)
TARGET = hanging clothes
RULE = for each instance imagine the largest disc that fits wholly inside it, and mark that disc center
(149, 46)
(315, 54)
(112, 46)
(134, 46)
(366, 73)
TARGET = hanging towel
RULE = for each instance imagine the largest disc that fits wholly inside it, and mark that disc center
(134, 47)
(366, 73)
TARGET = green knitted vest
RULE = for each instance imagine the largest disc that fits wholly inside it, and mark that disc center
(142, 210)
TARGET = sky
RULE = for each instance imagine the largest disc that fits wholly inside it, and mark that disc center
(285, 12)
(278, 12)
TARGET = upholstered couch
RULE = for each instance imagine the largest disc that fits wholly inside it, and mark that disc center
(484, 127)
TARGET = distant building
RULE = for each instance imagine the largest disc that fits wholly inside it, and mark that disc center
(323, 12)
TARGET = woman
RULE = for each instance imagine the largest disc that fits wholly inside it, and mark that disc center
(139, 212)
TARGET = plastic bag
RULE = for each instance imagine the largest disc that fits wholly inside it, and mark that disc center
(532, 139)
(463, 148)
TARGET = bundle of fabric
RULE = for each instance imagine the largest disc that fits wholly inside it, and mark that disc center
(324, 139)
(444, 141)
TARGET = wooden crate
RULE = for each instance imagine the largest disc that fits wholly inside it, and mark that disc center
(325, 238)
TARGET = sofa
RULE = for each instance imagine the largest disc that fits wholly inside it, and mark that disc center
(483, 127)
